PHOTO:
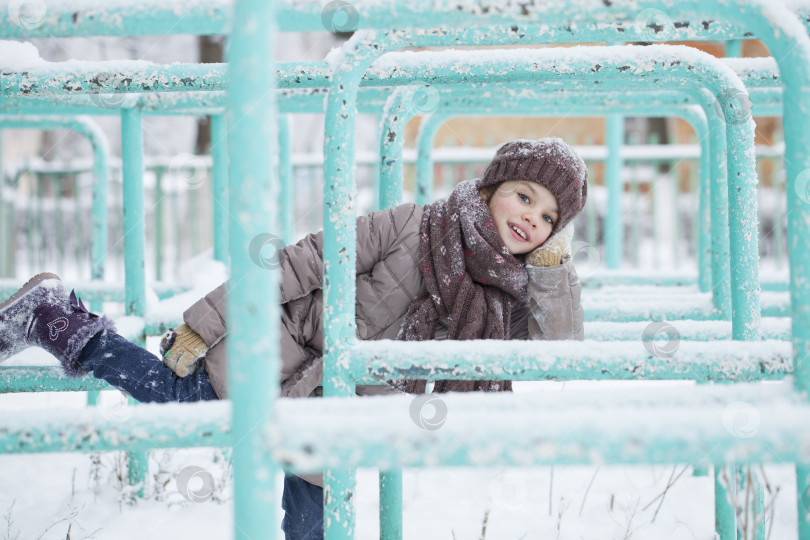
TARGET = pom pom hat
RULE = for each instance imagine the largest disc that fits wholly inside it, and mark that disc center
(549, 162)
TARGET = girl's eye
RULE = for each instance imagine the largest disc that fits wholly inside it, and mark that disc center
(524, 198)
(548, 219)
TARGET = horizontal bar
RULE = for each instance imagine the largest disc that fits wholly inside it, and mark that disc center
(103, 79)
(145, 427)
(705, 424)
(152, 17)
(375, 362)
(45, 379)
(634, 303)
(776, 328)
(90, 291)
(624, 278)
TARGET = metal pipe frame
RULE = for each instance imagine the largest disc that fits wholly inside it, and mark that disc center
(98, 142)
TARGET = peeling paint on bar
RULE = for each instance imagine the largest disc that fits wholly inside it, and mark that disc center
(381, 361)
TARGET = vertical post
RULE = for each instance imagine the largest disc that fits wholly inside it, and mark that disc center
(396, 115)
(158, 223)
(253, 344)
(424, 160)
(285, 177)
(734, 48)
(219, 176)
(803, 499)
(704, 219)
(725, 518)
(98, 238)
(134, 241)
(7, 244)
(391, 505)
(134, 231)
(718, 170)
(614, 229)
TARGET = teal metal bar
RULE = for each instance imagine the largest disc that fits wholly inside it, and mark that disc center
(253, 362)
(424, 165)
(134, 249)
(725, 517)
(399, 109)
(375, 363)
(614, 226)
(803, 498)
(159, 223)
(219, 176)
(15, 379)
(102, 19)
(391, 505)
(703, 223)
(734, 48)
(100, 148)
(684, 425)
(285, 176)
(339, 254)
(134, 230)
(150, 427)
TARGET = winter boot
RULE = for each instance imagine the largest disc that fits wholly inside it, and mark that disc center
(41, 314)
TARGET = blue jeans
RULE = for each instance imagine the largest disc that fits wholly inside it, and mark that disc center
(303, 509)
(141, 374)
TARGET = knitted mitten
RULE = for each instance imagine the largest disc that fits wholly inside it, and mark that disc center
(181, 348)
(554, 250)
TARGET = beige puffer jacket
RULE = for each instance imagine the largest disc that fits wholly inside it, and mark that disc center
(388, 279)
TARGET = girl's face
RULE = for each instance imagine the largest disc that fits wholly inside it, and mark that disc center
(524, 213)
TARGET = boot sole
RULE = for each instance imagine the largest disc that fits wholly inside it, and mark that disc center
(30, 285)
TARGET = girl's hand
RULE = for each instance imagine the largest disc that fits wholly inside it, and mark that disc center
(552, 252)
(181, 348)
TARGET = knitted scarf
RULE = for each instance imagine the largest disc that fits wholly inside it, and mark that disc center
(471, 280)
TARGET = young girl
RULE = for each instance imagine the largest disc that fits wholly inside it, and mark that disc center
(465, 267)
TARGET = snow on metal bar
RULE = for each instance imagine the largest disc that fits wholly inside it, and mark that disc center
(45, 379)
(105, 18)
(773, 328)
(64, 78)
(595, 21)
(664, 359)
(104, 78)
(583, 21)
(145, 427)
(635, 303)
(763, 423)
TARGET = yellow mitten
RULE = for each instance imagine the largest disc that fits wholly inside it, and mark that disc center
(554, 250)
(181, 348)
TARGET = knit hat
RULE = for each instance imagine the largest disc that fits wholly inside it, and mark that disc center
(549, 162)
